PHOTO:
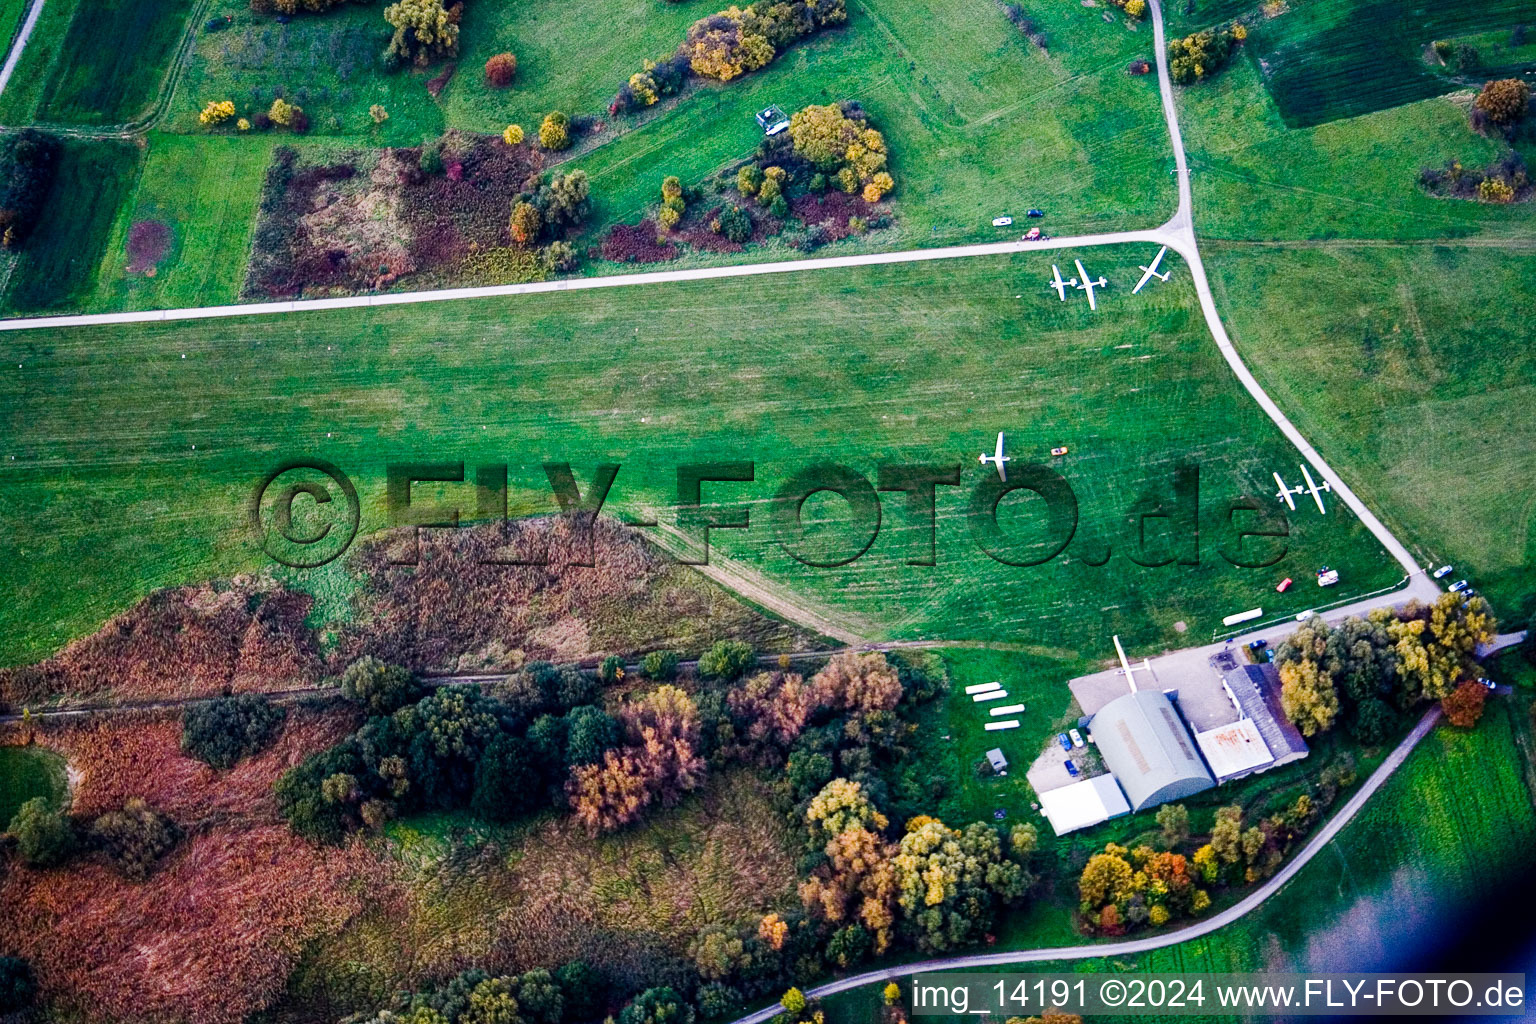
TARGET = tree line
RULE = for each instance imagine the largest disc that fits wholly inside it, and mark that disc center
(1365, 673)
(726, 45)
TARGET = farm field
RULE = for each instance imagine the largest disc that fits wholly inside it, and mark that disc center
(183, 238)
(1409, 368)
(58, 267)
(1336, 59)
(1454, 824)
(1255, 177)
(883, 364)
(95, 62)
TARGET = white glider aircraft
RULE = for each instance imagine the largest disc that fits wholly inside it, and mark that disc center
(1088, 284)
(997, 458)
(1148, 273)
(1284, 494)
(1315, 490)
(1060, 285)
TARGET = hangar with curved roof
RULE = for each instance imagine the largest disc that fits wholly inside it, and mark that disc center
(1148, 748)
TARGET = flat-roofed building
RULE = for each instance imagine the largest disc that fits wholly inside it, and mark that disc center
(1083, 804)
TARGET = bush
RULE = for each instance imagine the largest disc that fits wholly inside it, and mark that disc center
(134, 838)
(45, 837)
(1505, 101)
(28, 160)
(381, 689)
(555, 131)
(222, 732)
(660, 666)
(610, 670)
(1202, 54)
(500, 69)
(727, 660)
(733, 222)
(216, 112)
(17, 986)
(378, 113)
(513, 135)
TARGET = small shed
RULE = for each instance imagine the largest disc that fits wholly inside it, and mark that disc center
(996, 759)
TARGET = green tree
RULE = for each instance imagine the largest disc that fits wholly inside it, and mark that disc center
(423, 29)
(508, 784)
(221, 732)
(1307, 696)
(1173, 823)
(727, 660)
(1227, 834)
(540, 997)
(660, 666)
(45, 837)
(135, 838)
(950, 883)
(611, 670)
(555, 131)
(589, 732)
(17, 985)
(381, 689)
(661, 1005)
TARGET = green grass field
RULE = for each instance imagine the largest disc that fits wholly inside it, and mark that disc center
(1254, 177)
(858, 366)
(95, 62)
(57, 269)
(205, 191)
(1452, 824)
(1409, 367)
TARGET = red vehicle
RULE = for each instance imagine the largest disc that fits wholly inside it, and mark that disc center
(1284, 585)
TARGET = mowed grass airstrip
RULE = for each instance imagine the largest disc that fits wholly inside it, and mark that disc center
(980, 122)
(132, 450)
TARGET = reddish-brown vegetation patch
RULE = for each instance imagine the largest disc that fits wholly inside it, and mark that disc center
(438, 82)
(831, 211)
(212, 934)
(637, 243)
(148, 242)
(453, 612)
(183, 642)
(371, 218)
(139, 754)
